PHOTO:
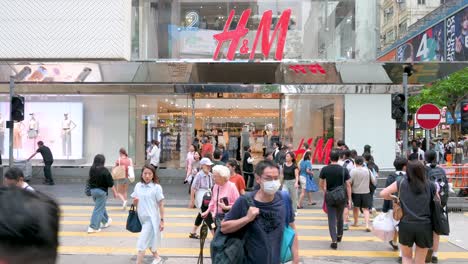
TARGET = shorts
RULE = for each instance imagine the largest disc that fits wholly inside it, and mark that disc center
(419, 234)
(303, 182)
(361, 200)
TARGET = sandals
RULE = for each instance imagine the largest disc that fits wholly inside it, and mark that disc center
(194, 236)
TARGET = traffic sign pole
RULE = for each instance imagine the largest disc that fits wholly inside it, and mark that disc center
(405, 116)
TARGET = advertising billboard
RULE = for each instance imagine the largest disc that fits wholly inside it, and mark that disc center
(457, 36)
(390, 56)
(427, 46)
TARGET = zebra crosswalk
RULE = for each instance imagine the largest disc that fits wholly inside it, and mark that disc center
(311, 225)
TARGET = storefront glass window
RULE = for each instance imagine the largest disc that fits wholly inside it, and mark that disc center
(309, 118)
(314, 29)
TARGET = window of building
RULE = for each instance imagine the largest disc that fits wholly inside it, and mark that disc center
(388, 14)
(402, 28)
(390, 36)
(421, 2)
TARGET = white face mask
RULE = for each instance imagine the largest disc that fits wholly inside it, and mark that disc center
(271, 187)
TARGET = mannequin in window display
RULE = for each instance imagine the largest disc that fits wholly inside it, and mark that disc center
(33, 129)
(67, 126)
(2, 133)
(18, 128)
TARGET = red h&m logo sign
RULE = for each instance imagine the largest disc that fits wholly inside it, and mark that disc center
(238, 34)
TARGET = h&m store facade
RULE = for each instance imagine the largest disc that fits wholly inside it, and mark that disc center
(126, 72)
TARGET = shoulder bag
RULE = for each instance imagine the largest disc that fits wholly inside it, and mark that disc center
(372, 187)
(397, 210)
(288, 232)
(439, 218)
(133, 223)
(131, 172)
(337, 196)
(118, 172)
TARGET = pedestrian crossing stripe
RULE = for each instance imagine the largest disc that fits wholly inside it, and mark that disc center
(194, 252)
(115, 215)
(169, 224)
(185, 235)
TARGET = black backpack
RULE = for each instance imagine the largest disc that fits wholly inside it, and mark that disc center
(229, 248)
(437, 175)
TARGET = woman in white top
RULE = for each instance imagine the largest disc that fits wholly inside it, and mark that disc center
(154, 154)
(149, 198)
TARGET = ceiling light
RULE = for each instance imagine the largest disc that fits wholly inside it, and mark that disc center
(166, 100)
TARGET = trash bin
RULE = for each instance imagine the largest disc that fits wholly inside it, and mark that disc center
(25, 166)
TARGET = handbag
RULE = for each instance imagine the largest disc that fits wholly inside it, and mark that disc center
(87, 189)
(397, 210)
(288, 232)
(131, 172)
(133, 223)
(311, 186)
(337, 196)
(118, 172)
(440, 222)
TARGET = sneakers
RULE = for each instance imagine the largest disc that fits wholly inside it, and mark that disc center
(90, 230)
(124, 205)
(434, 259)
(334, 245)
(106, 225)
(339, 238)
(345, 227)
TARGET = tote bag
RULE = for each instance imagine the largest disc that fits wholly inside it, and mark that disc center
(133, 223)
(118, 172)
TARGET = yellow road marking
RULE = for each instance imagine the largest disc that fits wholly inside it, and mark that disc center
(125, 215)
(316, 218)
(169, 224)
(120, 223)
(195, 251)
(177, 209)
(185, 235)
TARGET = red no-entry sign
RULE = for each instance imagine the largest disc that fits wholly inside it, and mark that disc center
(428, 116)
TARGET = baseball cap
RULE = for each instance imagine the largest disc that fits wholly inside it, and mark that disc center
(206, 161)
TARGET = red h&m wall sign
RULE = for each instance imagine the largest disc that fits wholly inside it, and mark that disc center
(235, 36)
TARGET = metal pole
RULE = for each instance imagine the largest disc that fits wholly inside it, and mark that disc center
(193, 117)
(12, 92)
(280, 125)
(405, 116)
(428, 139)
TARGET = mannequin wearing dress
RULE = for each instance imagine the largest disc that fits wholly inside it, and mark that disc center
(33, 129)
(67, 126)
(18, 128)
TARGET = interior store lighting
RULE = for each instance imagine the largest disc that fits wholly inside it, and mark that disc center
(23, 73)
(83, 75)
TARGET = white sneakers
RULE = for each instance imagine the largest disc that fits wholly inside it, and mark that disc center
(106, 225)
(124, 205)
(90, 230)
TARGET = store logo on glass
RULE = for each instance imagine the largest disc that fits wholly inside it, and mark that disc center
(234, 37)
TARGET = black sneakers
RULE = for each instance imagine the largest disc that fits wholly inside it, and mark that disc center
(334, 245)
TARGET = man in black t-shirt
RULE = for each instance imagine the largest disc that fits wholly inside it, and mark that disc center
(331, 177)
(48, 160)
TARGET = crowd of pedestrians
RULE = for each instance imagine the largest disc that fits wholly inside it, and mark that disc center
(259, 200)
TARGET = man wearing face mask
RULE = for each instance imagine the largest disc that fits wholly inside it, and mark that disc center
(264, 223)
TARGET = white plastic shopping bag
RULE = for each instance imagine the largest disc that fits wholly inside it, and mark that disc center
(383, 226)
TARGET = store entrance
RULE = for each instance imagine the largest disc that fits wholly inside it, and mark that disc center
(234, 123)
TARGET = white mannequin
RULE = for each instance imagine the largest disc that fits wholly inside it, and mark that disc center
(2, 133)
(18, 128)
(67, 126)
(33, 129)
